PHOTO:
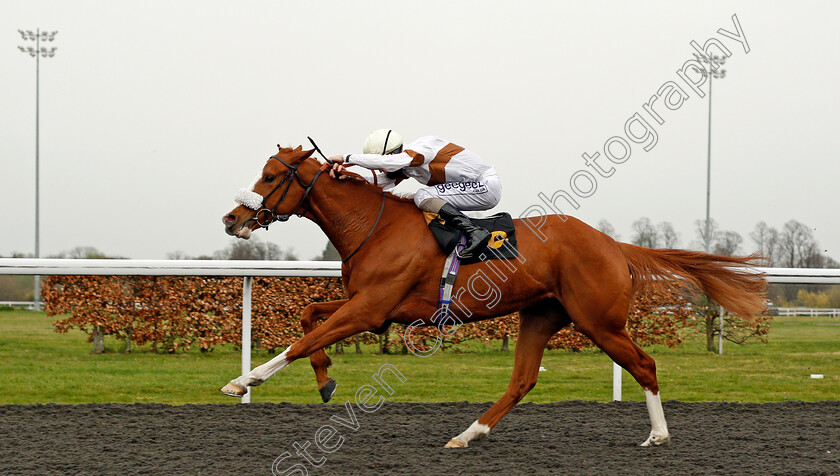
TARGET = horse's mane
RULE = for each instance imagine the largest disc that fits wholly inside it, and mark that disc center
(353, 178)
(359, 181)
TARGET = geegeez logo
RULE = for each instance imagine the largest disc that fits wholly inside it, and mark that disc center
(467, 188)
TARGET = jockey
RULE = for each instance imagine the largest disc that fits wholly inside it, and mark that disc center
(456, 179)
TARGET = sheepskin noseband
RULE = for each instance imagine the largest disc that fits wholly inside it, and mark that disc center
(247, 197)
(250, 199)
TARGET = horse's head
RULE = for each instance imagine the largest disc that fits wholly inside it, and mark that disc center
(277, 193)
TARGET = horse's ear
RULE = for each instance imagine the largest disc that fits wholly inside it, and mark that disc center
(306, 153)
(298, 149)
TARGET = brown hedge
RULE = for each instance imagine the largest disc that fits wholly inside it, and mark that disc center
(177, 313)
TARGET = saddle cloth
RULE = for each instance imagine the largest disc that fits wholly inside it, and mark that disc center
(502, 244)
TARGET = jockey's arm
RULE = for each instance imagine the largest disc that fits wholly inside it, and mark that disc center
(388, 163)
(379, 177)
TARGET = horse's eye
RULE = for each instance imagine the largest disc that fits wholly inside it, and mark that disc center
(268, 178)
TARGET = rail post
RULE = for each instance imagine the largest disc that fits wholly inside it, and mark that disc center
(247, 283)
(616, 382)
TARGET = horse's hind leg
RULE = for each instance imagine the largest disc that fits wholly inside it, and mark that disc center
(613, 339)
(618, 345)
(536, 326)
(319, 359)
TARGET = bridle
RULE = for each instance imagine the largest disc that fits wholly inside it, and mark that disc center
(271, 215)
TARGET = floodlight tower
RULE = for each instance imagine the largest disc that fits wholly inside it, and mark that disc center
(714, 71)
(37, 52)
(714, 63)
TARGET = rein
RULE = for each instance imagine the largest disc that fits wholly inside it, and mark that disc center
(381, 209)
(266, 216)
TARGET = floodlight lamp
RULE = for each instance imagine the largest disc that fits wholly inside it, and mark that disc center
(701, 71)
(702, 58)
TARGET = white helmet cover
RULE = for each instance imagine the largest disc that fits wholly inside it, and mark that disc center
(382, 141)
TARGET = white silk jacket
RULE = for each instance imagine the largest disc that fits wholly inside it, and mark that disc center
(429, 160)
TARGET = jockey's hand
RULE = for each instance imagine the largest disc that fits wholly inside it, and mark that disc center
(338, 159)
(337, 171)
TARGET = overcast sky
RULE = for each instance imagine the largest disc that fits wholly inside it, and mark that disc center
(154, 113)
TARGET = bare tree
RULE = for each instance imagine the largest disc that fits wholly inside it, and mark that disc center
(645, 233)
(812, 257)
(766, 238)
(722, 242)
(700, 233)
(83, 252)
(670, 237)
(606, 228)
(726, 243)
(254, 249)
(796, 245)
(177, 255)
(329, 253)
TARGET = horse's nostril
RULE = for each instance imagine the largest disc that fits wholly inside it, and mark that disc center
(228, 220)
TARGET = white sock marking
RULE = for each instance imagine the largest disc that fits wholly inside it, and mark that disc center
(659, 428)
(263, 372)
(474, 432)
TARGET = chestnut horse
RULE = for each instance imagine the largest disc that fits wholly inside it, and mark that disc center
(568, 273)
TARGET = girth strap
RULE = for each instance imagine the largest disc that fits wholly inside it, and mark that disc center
(447, 280)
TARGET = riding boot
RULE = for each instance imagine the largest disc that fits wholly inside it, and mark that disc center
(477, 237)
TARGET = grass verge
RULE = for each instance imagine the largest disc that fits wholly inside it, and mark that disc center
(38, 365)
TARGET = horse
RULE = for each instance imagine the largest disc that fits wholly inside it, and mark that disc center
(568, 272)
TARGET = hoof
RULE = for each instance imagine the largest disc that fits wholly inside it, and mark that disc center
(234, 390)
(328, 390)
(453, 443)
(656, 440)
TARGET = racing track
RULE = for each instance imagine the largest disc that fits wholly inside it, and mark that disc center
(408, 438)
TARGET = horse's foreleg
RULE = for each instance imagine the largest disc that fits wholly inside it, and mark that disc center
(319, 359)
(355, 316)
(536, 326)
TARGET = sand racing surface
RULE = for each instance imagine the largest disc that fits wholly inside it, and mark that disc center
(407, 438)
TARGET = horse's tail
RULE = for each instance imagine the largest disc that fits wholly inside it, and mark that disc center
(723, 278)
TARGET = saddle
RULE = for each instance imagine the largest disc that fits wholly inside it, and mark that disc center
(502, 244)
